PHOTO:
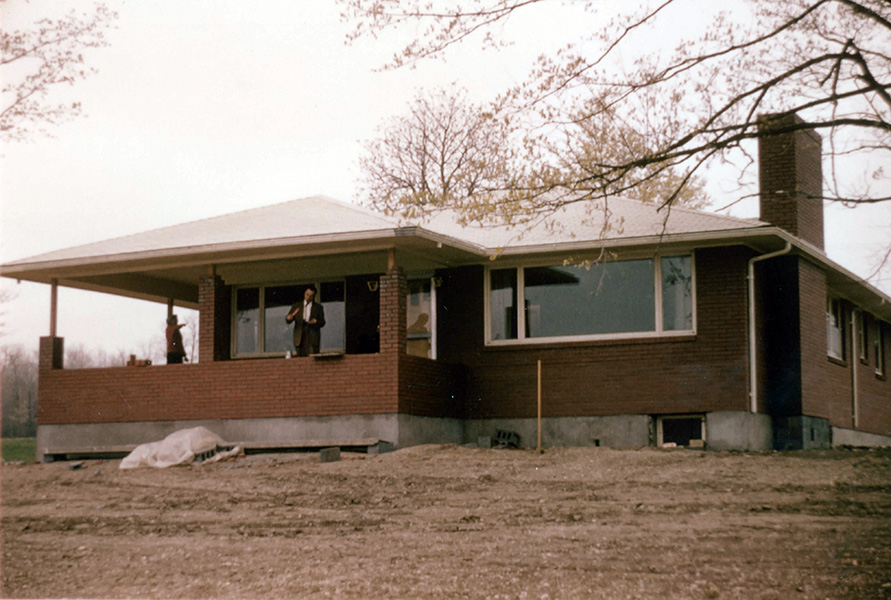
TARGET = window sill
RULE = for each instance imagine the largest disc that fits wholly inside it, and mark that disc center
(837, 361)
(328, 355)
(596, 343)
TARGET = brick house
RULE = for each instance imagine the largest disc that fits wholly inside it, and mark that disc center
(695, 329)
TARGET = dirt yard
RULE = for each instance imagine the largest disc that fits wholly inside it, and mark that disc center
(453, 522)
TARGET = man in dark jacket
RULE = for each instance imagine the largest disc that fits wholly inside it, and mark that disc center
(308, 318)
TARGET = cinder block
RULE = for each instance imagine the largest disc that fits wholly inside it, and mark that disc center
(381, 448)
(329, 455)
(484, 441)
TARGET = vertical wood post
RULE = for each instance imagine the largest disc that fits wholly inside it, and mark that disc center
(539, 406)
(54, 306)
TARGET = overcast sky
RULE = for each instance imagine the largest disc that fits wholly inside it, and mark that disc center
(206, 108)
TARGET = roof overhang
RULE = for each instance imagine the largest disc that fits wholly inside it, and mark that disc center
(175, 273)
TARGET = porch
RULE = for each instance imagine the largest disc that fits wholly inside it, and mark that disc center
(382, 392)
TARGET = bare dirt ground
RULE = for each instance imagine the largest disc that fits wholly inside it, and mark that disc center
(454, 522)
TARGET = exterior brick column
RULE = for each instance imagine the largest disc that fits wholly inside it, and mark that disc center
(52, 351)
(393, 290)
(214, 319)
(791, 177)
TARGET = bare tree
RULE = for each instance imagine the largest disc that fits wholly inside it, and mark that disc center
(675, 111)
(448, 153)
(18, 374)
(37, 60)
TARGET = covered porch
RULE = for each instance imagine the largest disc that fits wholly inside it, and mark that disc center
(377, 375)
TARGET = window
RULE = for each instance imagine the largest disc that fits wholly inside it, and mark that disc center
(835, 328)
(420, 318)
(606, 299)
(879, 342)
(260, 327)
(862, 336)
(680, 430)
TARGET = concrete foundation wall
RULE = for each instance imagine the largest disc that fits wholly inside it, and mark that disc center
(55, 437)
(619, 431)
(849, 437)
(733, 430)
(414, 431)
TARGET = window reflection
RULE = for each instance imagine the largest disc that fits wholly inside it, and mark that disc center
(418, 310)
(331, 295)
(247, 320)
(677, 293)
(576, 300)
(278, 300)
(503, 304)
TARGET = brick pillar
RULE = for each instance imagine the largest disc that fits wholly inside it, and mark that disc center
(393, 291)
(52, 351)
(214, 319)
(790, 177)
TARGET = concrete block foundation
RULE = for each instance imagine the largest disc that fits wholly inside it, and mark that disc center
(735, 430)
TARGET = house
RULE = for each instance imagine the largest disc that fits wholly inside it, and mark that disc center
(698, 329)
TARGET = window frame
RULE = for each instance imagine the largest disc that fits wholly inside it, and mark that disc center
(879, 345)
(835, 308)
(659, 331)
(862, 336)
(430, 336)
(261, 337)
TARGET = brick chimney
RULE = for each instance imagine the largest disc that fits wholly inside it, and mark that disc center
(790, 177)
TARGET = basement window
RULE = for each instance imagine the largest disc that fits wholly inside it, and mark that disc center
(680, 430)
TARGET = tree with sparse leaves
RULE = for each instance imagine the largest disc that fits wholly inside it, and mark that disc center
(18, 386)
(611, 115)
(36, 61)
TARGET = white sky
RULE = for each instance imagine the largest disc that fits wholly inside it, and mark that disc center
(201, 109)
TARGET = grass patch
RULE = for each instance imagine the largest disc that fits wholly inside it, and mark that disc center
(19, 449)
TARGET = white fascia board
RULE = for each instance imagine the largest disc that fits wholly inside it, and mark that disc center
(729, 237)
(187, 256)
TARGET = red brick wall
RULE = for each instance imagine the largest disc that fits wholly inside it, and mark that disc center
(51, 353)
(214, 319)
(826, 383)
(430, 388)
(791, 179)
(353, 384)
(874, 392)
(705, 372)
(393, 291)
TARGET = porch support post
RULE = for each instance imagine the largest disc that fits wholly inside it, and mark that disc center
(51, 353)
(393, 291)
(214, 319)
(54, 306)
(169, 307)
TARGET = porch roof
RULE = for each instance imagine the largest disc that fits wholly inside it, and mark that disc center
(320, 232)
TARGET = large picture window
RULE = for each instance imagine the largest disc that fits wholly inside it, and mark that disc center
(605, 299)
(260, 327)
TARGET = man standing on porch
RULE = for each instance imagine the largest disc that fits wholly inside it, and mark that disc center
(308, 318)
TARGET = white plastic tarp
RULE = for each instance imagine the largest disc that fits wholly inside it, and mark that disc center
(180, 447)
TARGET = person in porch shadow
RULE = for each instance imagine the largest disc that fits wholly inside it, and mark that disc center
(176, 353)
(308, 317)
